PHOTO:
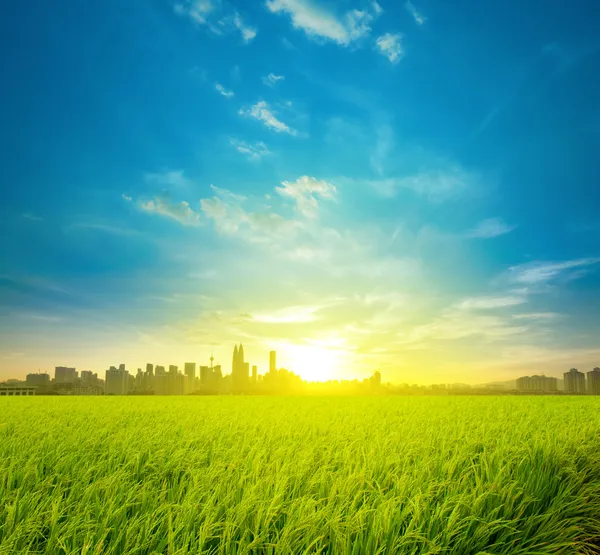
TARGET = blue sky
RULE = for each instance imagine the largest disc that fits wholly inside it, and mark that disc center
(410, 187)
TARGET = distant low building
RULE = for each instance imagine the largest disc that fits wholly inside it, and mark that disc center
(64, 374)
(537, 384)
(38, 380)
(16, 390)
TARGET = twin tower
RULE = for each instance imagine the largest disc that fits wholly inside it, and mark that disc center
(240, 370)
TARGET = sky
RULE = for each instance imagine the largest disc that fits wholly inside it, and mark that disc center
(409, 187)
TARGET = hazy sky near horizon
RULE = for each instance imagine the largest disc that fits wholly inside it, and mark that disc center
(410, 187)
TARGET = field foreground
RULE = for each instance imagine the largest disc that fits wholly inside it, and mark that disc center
(460, 475)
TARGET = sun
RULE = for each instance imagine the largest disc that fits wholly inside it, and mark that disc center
(314, 364)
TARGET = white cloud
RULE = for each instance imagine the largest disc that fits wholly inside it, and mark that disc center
(492, 227)
(179, 211)
(262, 112)
(253, 151)
(197, 10)
(537, 316)
(227, 212)
(216, 17)
(317, 22)
(390, 46)
(534, 273)
(417, 15)
(222, 90)
(248, 33)
(304, 191)
(126, 197)
(272, 79)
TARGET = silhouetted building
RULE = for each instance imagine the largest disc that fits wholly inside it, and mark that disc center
(574, 381)
(88, 378)
(63, 374)
(117, 381)
(593, 381)
(272, 361)
(171, 383)
(254, 373)
(376, 380)
(159, 370)
(204, 372)
(38, 380)
(240, 370)
(149, 369)
(189, 369)
(537, 384)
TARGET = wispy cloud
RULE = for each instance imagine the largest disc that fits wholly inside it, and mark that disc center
(40, 317)
(197, 10)
(223, 91)
(417, 15)
(229, 215)
(253, 151)
(216, 16)
(487, 303)
(271, 80)
(537, 316)
(31, 217)
(436, 185)
(538, 272)
(171, 178)
(236, 73)
(178, 211)
(390, 46)
(247, 32)
(383, 148)
(490, 228)
(288, 315)
(262, 112)
(305, 192)
(99, 226)
(317, 22)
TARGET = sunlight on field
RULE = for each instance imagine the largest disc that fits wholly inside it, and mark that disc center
(299, 475)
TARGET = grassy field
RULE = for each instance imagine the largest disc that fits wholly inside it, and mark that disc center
(176, 475)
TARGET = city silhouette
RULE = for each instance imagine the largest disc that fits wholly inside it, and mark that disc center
(245, 379)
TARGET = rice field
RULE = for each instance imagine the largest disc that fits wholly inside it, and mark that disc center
(452, 475)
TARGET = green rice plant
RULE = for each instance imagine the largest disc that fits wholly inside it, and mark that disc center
(357, 475)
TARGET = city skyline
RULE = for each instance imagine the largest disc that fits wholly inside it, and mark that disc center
(243, 372)
(409, 187)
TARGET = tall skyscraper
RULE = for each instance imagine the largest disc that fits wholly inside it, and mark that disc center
(189, 369)
(254, 373)
(149, 369)
(574, 381)
(273, 361)
(593, 379)
(240, 370)
(172, 369)
(204, 373)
